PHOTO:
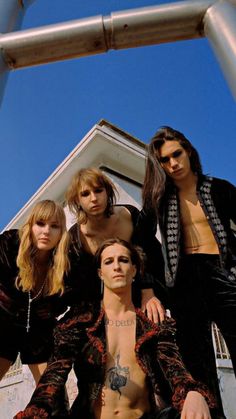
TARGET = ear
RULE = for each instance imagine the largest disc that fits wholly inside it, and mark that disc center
(134, 271)
(99, 272)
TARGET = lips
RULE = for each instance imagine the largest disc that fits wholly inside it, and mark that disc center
(95, 207)
(44, 240)
(176, 172)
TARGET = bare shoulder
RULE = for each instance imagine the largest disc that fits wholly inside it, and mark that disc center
(122, 213)
(123, 227)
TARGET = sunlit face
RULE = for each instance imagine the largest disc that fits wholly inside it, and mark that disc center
(117, 270)
(175, 160)
(93, 199)
(46, 234)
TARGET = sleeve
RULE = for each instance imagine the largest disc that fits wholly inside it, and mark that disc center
(171, 363)
(145, 237)
(44, 399)
(67, 338)
(231, 190)
(9, 246)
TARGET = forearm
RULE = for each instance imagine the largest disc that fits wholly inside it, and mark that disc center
(171, 363)
(46, 395)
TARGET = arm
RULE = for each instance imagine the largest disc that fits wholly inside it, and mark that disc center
(9, 246)
(45, 396)
(67, 343)
(152, 283)
(231, 206)
(152, 306)
(180, 380)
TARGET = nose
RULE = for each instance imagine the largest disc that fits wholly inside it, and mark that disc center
(173, 163)
(46, 229)
(116, 265)
(93, 196)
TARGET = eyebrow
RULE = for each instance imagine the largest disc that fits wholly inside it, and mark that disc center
(176, 153)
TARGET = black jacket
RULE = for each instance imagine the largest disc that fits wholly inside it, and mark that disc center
(218, 200)
(14, 302)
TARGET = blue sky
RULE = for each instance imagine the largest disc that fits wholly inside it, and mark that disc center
(47, 109)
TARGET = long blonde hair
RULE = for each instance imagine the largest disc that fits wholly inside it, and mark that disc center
(92, 177)
(26, 259)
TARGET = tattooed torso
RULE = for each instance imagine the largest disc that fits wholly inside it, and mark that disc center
(124, 394)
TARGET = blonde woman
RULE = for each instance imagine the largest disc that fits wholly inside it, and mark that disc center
(33, 261)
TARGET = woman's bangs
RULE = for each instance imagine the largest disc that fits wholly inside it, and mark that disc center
(46, 212)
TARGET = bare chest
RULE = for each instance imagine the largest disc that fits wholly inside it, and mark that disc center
(191, 211)
(92, 238)
(120, 339)
(198, 235)
(122, 369)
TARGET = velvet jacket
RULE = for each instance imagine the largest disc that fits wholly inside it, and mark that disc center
(13, 302)
(80, 341)
(217, 198)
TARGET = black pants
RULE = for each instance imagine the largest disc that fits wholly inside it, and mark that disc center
(203, 293)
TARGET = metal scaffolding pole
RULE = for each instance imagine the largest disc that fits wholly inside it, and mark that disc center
(11, 15)
(125, 29)
(94, 35)
(220, 29)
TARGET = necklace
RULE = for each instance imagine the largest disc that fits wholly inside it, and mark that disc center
(29, 304)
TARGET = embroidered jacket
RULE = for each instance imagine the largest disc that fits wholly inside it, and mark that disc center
(13, 302)
(80, 341)
(217, 198)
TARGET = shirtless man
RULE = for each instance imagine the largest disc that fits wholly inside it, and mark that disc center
(91, 196)
(118, 355)
(194, 213)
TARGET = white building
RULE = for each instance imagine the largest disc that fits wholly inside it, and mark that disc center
(122, 158)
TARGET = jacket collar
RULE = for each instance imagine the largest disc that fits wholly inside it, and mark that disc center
(145, 330)
(171, 243)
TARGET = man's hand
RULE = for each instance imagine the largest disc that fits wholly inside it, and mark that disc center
(153, 307)
(195, 407)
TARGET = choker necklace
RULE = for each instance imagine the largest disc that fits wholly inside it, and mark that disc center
(29, 304)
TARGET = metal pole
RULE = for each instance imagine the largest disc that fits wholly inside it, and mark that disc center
(11, 15)
(125, 29)
(220, 29)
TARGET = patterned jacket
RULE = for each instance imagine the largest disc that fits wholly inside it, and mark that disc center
(217, 198)
(80, 341)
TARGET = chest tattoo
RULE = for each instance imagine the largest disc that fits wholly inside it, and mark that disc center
(118, 376)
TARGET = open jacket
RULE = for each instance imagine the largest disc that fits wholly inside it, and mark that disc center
(80, 341)
(217, 198)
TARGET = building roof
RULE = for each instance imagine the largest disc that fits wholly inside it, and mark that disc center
(105, 146)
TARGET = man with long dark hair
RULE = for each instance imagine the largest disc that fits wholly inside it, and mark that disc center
(194, 213)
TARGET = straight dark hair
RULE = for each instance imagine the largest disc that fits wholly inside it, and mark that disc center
(156, 181)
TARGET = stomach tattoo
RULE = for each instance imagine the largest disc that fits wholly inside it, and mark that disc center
(118, 376)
